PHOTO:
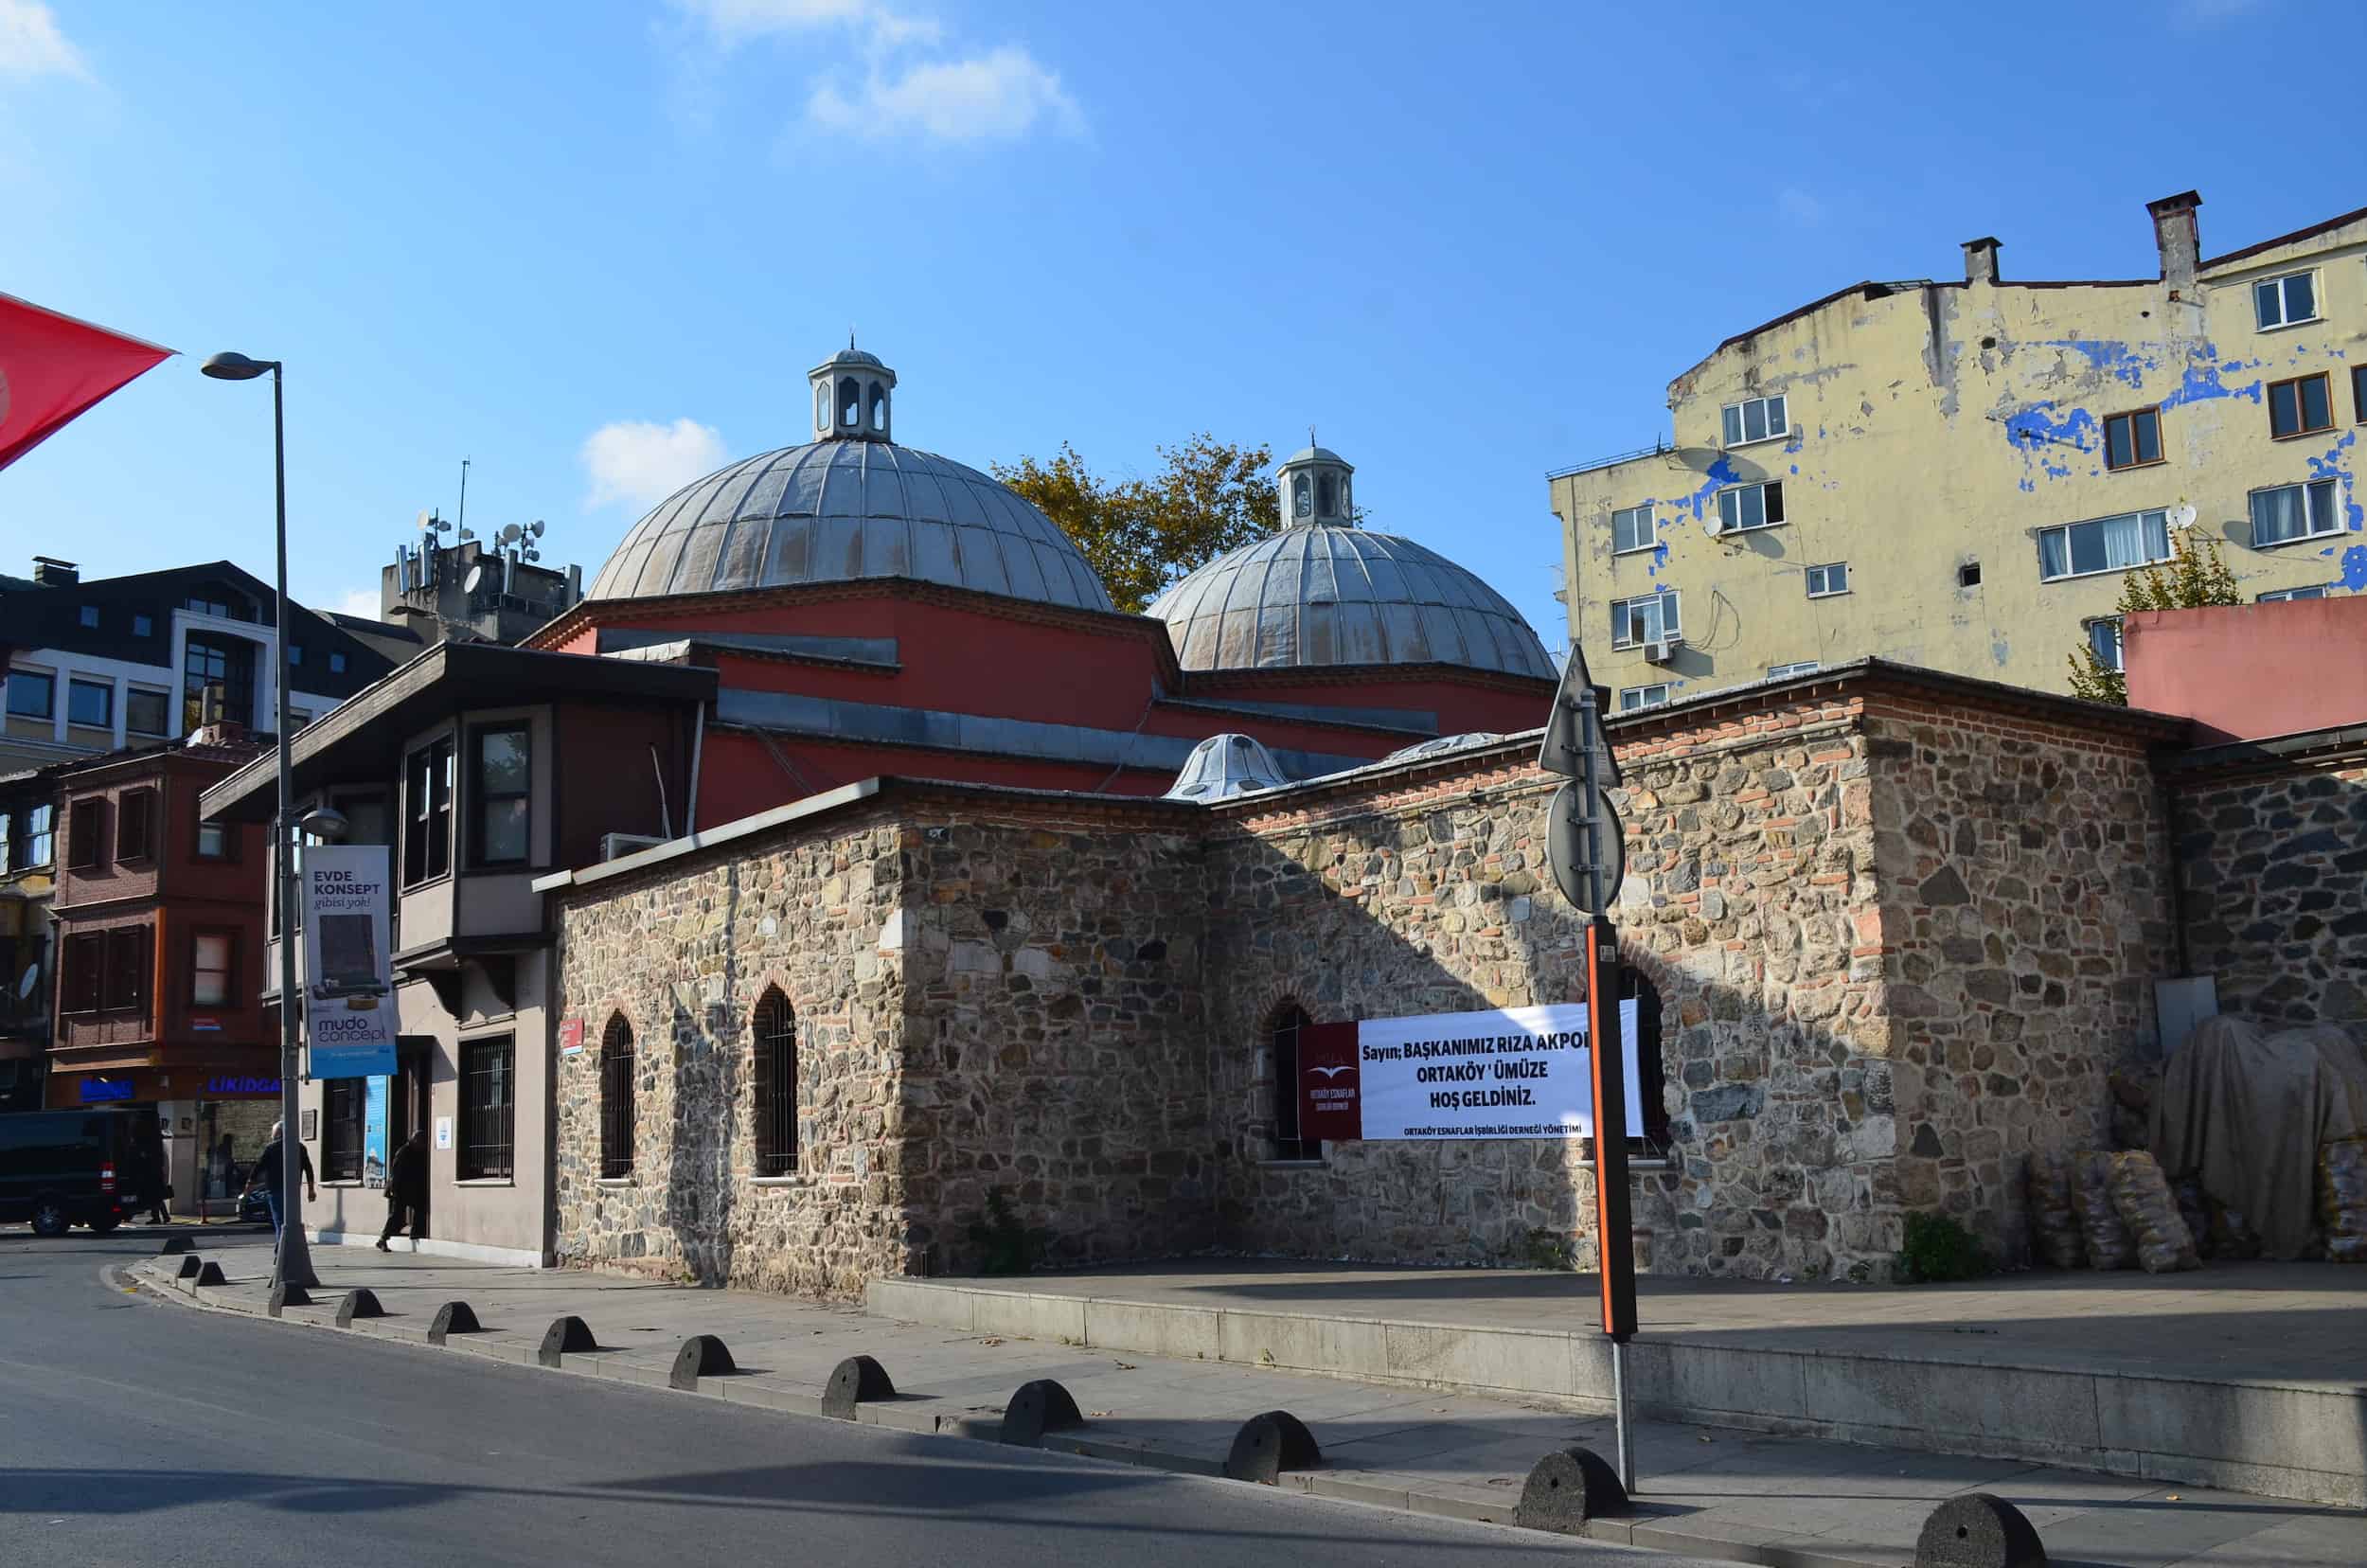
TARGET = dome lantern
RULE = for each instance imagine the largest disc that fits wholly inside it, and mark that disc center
(852, 391)
(1314, 487)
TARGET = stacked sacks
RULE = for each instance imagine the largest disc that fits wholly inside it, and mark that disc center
(2142, 1200)
(2103, 1235)
(2343, 1198)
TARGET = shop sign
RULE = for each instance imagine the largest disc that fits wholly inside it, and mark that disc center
(100, 1091)
(570, 1036)
(1505, 1073)
(231, 1083)
(348, 1000)
(205, 1025)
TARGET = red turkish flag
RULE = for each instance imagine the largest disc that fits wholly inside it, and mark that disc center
(53, 367)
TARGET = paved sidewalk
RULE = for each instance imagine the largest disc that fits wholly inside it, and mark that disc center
(1784, 1501)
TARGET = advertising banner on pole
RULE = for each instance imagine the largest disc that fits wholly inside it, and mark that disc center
(1505, 1073)
(348, 996)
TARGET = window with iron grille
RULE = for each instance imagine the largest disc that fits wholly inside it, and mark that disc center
(616, 1099)
(775, 1079)
(1288, 1019)
(341, 1130)
(488, 1107)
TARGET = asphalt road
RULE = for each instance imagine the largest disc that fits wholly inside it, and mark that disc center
(139, 1432)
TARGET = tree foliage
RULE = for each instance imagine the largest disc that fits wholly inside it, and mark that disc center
(1141, 534)
(2194, 575)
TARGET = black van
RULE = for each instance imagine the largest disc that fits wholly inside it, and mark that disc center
(78, 1167)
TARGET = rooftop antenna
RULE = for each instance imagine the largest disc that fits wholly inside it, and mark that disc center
(1310, 434)
(850, 337)
(463, 518)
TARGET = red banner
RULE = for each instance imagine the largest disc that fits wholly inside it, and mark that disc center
(53, 367)
(1330, 1097)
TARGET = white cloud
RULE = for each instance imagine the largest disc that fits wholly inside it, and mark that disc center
(735, 22)
(1799, 206)
(31, 46)
(358, 601)
(1000, 94)
(643, 463)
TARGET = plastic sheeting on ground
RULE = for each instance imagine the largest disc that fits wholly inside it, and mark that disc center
(2244, 1108)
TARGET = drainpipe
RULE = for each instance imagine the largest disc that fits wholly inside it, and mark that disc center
(698, 746)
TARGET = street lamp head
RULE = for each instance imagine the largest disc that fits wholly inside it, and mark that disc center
(324, 823)
(235, 367)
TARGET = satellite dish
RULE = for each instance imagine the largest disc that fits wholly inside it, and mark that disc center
(2183, 515)
(1701, 459)
(476, 574)
(427, 520)
(1713, 522)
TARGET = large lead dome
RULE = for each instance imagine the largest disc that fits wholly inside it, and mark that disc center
(1323, 591)
(848, 504)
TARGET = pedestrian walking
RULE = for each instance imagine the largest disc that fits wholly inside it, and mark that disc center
(269, 1173)
(406, 1190)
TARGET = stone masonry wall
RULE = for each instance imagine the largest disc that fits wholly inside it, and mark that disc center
(2024, 914)
(1057, 1042)
(683, 951)
(1749, 884)
(2274, 860)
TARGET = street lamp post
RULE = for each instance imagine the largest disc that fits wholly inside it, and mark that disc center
(292, 1264)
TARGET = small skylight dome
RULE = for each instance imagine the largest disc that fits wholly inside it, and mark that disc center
(1442, 745)
(1223, 766)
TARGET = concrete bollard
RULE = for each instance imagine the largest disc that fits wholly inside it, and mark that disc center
(453, 1317)
(701, 1356)
(358, 1304)
(858, 1379)
(1566, 1488)
(1268, 1445)
(211, 1274)
(1978, 1530)
(1039, 1407)
(177, 1244)
(567, 1336)
(284, 1296)
(190, 1264)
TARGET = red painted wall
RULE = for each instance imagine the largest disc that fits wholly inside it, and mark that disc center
(2248, 671)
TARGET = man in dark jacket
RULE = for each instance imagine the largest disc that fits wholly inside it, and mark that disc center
(270, 1170)
(406, 1190)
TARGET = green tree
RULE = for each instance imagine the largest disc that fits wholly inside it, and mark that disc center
(1141, 534)
(2194, 575)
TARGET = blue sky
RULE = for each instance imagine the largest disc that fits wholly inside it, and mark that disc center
(595, 246)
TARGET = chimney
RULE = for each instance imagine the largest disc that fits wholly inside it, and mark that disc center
(49, 572)
(2180, 240)
(1981, 259)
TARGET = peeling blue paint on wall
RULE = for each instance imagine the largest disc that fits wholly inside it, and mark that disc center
(2117, 360)
(2206, 380)
(2354, 569)
(2038, 427)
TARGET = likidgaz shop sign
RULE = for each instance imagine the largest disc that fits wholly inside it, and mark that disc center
(1506, 1072)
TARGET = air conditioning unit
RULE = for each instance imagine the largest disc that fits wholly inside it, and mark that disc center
(1658, 652)
(617, 846)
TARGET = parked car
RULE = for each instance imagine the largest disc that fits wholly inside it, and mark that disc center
(78, 1167)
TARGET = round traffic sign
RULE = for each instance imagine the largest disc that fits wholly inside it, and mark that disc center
(1565, 846)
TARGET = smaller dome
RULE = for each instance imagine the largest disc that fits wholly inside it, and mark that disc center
(851, 355)
(1223, 766)
(1443, 745)
(1314, 454)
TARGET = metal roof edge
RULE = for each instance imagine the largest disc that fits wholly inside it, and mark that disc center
(692, 843)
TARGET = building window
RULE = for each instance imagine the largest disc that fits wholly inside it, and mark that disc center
(427, 808)
(2301, 406)
(82, 972)
(2288, 513)
(1747, 506)
(228, 663)
(2358, 392)
(488, 1096)
(336, 664)
(1288, 1019)
(1798, 667)
(1826, 581)
(211, 955)
(216, 841)
(31, 695)
(205, 606)
(2281, 595)
(296, 654)
(1650, 618)
(143, 626)
(144, 712)
(2104, 640)
(2283, 301)
(1327, 496)
(1631, 699)
(2105, 545)
(502, 785)
(90, 703)
(1755, 420)
(86, 835)
(1302, 497)
(135, 825)
(126, 987)
(34, 840)
(341, 1129)
(2133, 440)
(849, 403)
(90, 617)
(1631, 529)
(776, 1080)
(616, 1099)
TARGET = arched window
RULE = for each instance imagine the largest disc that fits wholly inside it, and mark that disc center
(616, 1097)
(878, 408)
(849, 402)
(1301, 503)
(775, 1028)
(1288, 1019)
(1327, 496)
(822, 405)
(1346, 510)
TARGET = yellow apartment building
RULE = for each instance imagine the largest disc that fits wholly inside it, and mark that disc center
(1960, 474)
